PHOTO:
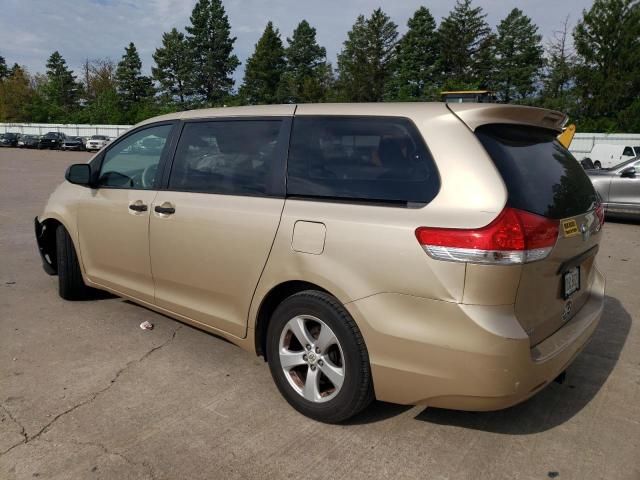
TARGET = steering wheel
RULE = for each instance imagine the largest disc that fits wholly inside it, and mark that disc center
(149, 175)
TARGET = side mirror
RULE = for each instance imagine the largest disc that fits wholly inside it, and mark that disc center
(628, 172)
(79, 174)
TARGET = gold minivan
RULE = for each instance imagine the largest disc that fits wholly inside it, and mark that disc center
(436, 254)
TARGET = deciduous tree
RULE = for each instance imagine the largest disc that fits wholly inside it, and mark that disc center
(607, 42)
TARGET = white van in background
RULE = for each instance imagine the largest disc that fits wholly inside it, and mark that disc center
(604, 155)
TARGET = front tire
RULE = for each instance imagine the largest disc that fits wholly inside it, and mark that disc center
(597, 165)
(318, 358)
(70, 283)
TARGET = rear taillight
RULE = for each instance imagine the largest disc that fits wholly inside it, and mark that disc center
(514, 237)
(600, 215)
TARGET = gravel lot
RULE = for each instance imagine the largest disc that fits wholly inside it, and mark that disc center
(85, 393)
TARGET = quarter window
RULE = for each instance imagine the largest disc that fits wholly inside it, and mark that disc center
(234, 157)
(133, 161)
(361, 158)
(628, 151)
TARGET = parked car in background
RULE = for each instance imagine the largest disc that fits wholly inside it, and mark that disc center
(28, 141)
(96, 142)
(587, 164)
(342, 244)
(73, 143)
(9, 140)
(619, 187)
(52, 140)
(604, 155)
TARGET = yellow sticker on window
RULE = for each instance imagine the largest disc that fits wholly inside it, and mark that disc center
(570, 228)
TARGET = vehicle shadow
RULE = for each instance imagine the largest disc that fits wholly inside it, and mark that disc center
(621, 218)
(557, 403)
(377, 412)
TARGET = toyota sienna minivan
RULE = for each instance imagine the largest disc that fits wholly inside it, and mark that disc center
(436, 254)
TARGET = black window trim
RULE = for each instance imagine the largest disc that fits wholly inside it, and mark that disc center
(164, 157)
(367, 201)
(280, 162)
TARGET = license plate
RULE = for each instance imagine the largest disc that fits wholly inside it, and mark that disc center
(571, 282)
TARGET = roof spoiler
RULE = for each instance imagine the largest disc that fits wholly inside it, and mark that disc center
(477, 114)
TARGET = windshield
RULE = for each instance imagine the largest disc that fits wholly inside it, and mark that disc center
(98, 137)
(51, 135)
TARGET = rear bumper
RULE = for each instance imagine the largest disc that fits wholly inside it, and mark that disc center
(465, 357)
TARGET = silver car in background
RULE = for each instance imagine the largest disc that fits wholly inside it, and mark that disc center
(619, 187)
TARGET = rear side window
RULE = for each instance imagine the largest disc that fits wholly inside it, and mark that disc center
(234, 157)
(381, 159)
(541, 175)
(628, 151)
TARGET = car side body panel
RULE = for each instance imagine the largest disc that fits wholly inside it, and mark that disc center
(442, 333)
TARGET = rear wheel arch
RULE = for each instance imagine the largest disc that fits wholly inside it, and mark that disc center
(270, 302)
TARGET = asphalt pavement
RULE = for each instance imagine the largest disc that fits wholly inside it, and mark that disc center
(85, 393)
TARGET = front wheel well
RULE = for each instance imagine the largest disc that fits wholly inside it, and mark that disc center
(269, 304)
(48, 241)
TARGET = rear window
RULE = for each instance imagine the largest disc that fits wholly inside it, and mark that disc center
(541, 175)
(380, 159)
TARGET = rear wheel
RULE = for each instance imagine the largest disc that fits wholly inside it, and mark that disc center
(70, 283)
(597, 164)
(318, 358)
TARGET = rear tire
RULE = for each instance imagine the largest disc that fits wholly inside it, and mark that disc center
(70, 283)
(597, 165)
(337, 346)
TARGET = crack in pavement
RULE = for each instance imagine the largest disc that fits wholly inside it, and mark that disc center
(105, 451)
(23, 432)
(93, 396)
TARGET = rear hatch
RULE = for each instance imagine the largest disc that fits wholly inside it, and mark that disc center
(543, 178)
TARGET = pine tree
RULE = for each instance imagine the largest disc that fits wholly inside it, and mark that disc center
(263, 73)
(134, 89)
(607, 42)
(519, 57)
(62, 90)
(211, 47)
(365, 63)
(465, 44)
(173, 67)
(307, 75)
(4, 70)
(415, 76)
(558, 78)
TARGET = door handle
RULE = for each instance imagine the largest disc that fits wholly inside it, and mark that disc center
(138, 207)
(164, 210)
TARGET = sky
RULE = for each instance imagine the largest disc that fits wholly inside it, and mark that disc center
(30, 30)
